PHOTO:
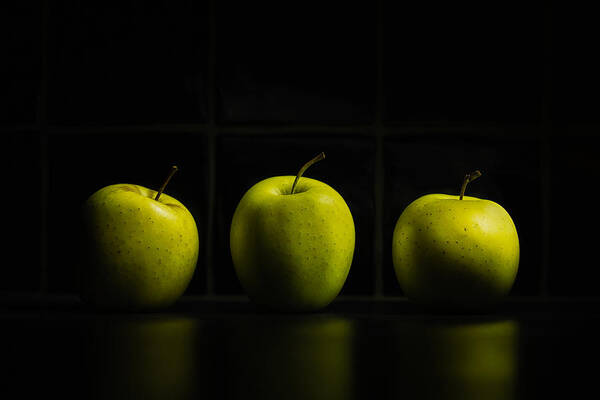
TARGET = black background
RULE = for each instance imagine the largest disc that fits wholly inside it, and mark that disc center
(404, 100)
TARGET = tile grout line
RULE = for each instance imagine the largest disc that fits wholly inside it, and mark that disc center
(212, 131)
(545, 155)
(545, 165)
(379, 167)
(42, 121)
(387, 129)
(44, 186)
(210, 222)
(378, 237)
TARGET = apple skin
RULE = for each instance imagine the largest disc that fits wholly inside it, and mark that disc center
(455, 254)
(140, 253)
(292, 252)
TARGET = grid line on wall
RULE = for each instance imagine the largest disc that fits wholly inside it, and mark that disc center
(545, 160)
(379, 163)
(42, 122)
(212, 132)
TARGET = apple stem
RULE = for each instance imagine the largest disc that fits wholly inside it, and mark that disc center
(468, 179)
(305, 167)
(164, 185)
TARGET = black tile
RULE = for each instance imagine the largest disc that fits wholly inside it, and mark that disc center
(130, 63)
(575, 80)
(437, 164)
(573, 217)
(22, 193)
(243, 161)
(21, 65)
(304, 62)
(467, 61)
(82, 164)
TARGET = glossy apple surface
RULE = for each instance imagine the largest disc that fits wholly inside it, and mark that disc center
(292, 251)
(140, 252)
(453, 253)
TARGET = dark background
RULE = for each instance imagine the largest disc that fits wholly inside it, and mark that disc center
(403, 99)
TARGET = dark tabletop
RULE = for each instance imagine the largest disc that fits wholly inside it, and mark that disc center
(230, 349)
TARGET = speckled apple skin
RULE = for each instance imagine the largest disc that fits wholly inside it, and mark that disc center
(292, 252)
(455, 254)
(140, 253)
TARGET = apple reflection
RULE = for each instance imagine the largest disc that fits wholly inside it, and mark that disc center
(456, 360)
(151, 357)
(308, 358)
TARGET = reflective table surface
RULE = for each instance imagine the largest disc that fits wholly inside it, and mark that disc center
(354, 349)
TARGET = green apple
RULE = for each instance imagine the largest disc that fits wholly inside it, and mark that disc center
(292, 242)
(455, 252)
(141, 248)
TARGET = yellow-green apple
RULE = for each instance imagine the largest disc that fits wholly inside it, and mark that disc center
(141, 248)
(292, 242)
(455, 252)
